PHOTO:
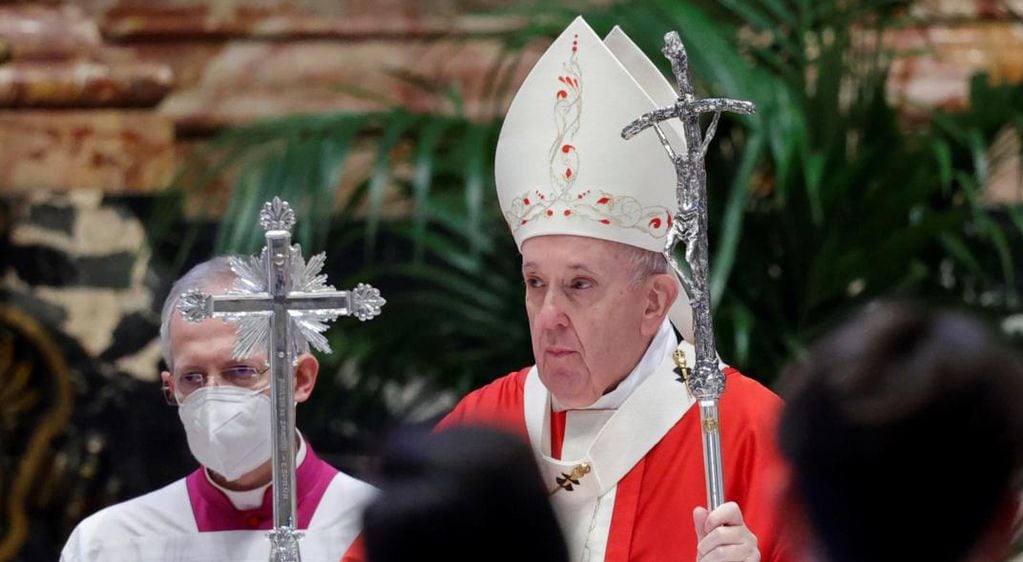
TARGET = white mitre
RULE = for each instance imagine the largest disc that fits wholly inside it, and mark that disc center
(562, 166)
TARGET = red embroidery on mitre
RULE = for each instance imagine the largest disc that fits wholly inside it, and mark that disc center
(618, 210)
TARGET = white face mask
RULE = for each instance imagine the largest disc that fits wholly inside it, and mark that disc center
(228, 429)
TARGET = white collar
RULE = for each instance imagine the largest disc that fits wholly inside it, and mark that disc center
(251, 499)
(662, 344)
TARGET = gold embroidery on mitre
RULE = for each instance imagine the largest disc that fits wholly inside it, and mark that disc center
(567, 480)
(561, 202)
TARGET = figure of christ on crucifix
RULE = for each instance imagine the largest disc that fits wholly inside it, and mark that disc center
(707, 382)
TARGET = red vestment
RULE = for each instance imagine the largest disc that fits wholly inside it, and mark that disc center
(652, 518)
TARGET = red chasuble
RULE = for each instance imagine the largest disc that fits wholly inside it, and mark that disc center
(652, 516)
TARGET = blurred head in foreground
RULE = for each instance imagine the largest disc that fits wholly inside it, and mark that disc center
(904, 430)
(465, 494)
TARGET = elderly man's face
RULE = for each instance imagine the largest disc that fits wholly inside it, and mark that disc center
(589, 323)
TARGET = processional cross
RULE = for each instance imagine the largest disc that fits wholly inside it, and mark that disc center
(707, 383)
(279, 302)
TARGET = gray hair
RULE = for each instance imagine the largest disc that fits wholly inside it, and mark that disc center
(644, 263)
(207, 275)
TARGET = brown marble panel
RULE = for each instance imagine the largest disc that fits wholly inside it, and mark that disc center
(47, 32)
(935, 63)
(967, 9)
(127, 23)
(83, 84)
(116, 151)
(187, 60)
(252, 80)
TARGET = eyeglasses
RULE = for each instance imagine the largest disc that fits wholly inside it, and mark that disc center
(241, 376)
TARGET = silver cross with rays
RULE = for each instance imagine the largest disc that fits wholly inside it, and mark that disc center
(279, 302)
(707, 383)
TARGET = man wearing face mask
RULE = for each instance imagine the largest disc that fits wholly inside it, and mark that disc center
(223, 510)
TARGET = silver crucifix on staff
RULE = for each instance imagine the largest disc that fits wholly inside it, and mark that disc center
(707, 383)
(279, 302)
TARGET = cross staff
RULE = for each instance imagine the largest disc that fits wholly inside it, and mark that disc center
(279, 303)
(707, 382)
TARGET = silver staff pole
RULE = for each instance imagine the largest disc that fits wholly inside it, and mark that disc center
(707, 382)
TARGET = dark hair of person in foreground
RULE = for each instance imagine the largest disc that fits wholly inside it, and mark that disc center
(904, 430)
(467, 493)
